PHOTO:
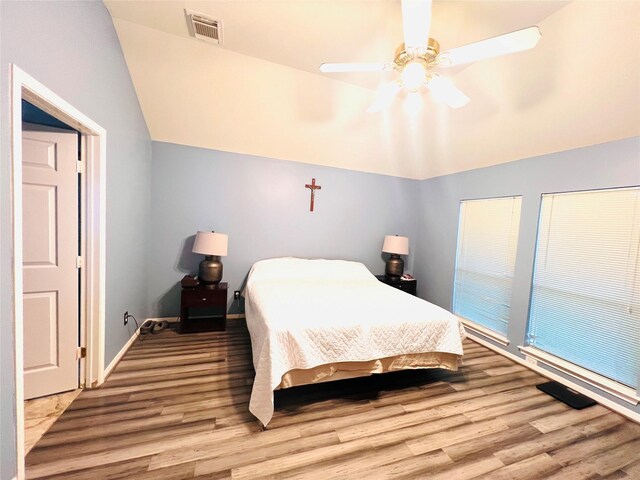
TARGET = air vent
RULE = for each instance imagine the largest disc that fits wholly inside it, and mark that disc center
(203, 27)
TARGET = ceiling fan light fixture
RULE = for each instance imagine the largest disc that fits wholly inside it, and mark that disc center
(417, 57)
(413, 75)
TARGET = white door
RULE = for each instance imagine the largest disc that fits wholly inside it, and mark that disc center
(50, 249)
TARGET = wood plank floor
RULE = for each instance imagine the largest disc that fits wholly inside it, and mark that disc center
(41, 413)
(177, 407)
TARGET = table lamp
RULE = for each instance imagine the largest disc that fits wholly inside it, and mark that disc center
(396, 246)
(213, 245)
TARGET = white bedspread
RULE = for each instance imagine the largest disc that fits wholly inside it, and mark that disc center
(304, 313)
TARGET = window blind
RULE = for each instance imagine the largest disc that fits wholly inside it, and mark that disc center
(585, 304)
(485, 259)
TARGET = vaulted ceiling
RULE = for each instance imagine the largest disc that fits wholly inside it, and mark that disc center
(261, 92)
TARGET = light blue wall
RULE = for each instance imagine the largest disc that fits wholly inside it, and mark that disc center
(612, 164)
(263, 206)
(73, 49)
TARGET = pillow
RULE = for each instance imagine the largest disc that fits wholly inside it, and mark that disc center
(313, 270)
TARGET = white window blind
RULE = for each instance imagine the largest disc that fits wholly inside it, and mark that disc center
(585, 304)
(487, 243)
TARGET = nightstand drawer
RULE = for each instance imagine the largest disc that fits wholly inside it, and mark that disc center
(204, 296)
(409, 286)
(405, 286)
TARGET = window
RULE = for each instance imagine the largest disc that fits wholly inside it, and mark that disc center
(487, 243)
(585, 304)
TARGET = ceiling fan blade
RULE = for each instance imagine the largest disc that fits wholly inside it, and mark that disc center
(384, 97)
(492, 47)
(355, 67)
(416, 22)
(443, 90)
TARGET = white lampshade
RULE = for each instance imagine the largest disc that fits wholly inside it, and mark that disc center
(211, 243)
(396, 244)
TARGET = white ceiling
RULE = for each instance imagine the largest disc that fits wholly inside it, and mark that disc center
(261, 92)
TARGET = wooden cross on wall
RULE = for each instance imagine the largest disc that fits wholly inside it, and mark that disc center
(313, 187)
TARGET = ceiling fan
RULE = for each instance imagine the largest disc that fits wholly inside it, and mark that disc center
(419, 55)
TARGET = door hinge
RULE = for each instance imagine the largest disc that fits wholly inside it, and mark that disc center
(81, 353)
(79, 166)
(79, 262)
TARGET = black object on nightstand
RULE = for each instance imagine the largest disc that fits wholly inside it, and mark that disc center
(409, 286)
(203, 308)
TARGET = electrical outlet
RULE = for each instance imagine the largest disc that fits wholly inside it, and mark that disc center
(236, 294)
(126, 317)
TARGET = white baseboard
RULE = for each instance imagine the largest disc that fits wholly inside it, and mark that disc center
(546, 373)
(120, 354)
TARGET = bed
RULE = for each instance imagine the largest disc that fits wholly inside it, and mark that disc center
(318, 320)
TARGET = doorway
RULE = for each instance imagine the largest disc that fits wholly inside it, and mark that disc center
(91, 258)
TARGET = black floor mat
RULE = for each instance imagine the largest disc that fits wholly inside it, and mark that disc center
(566, 395)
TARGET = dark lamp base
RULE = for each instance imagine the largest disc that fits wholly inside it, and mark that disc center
(210, 270)
(394, 266)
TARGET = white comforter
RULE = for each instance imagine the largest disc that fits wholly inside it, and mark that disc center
(305, 313)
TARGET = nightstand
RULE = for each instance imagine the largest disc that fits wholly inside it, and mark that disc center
(203, 308)
(409, 286)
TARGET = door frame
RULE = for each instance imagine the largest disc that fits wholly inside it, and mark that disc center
(93, 234)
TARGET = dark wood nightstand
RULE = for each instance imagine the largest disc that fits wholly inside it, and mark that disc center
(203, 308)
(409, 286)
